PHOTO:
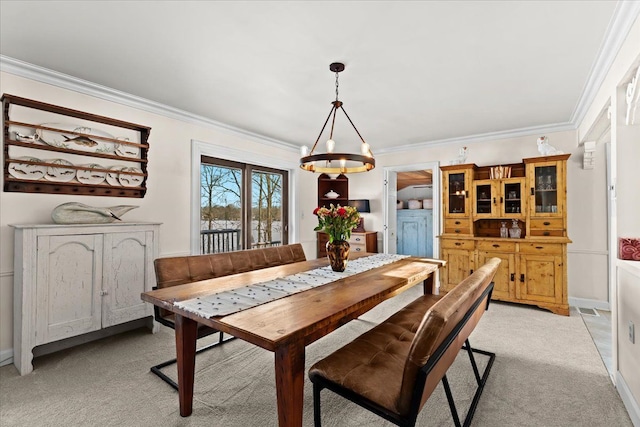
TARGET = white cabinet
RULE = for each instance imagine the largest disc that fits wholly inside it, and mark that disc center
(74, 279)
(414, 232)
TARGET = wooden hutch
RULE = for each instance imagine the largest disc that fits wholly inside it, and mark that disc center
(479, 201)
(366, 241)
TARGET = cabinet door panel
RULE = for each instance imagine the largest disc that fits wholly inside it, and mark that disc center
(459, 266)
(513, 198)
(412, 233)
(503, 286)
(127, 257)
(68, 286)
(456, 190)
(546, 181)
(541, 278)
(486, 198)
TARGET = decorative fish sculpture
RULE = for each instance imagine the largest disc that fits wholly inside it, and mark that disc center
(78, 213)
(27, 138)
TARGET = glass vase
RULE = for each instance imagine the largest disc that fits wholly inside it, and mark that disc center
(504, 231)
(515, 231)
(338, 254)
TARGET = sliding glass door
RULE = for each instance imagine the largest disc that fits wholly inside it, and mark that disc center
(242, 206)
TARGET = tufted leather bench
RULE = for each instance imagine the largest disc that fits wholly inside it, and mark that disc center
(173, 271)
(393, 368)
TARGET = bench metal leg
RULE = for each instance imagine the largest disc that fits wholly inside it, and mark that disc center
(452, 404)
(481, 380)
(473, 361)
(316, 405)
(156, 369)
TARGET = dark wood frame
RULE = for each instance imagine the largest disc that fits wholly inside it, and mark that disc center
(247, 170)
(12, 184)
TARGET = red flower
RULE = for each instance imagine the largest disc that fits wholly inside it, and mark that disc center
(315, 211)
(342, 212)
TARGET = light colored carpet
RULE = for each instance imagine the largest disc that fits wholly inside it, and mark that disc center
(547, 373)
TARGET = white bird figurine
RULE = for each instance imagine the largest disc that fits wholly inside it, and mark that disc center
(77, 213)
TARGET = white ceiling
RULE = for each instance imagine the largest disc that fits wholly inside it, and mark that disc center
(415, 71)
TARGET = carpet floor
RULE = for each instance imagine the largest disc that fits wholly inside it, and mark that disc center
(547, 372)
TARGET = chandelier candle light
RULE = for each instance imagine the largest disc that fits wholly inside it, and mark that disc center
(337, 222)
(336, 163)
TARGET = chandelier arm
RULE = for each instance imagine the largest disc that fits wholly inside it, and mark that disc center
(333, 107)
(336, 105)
(354, 126)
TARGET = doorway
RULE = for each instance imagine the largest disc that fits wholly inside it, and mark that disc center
(411, 183)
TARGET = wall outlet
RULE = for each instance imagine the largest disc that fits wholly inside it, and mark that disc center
(632, 332)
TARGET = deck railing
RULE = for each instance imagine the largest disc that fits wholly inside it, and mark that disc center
(215, 241)
(227, 240)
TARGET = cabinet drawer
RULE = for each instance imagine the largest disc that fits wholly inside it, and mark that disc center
(456, 223)
(357, 247)
(457, 244)
(540, 248)
(458, 230)
(547, 227)
(547, 233)
(497, 246)
(547, 224)
(357, 238)
(457, 226)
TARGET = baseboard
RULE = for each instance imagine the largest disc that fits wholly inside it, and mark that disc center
(6, 357)
(629, 401)
(590, 303)
(66, 343)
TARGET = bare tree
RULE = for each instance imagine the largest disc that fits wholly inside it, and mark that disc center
(217, 185)
(269, 197)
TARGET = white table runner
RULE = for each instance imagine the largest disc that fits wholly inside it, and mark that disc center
(228, 302)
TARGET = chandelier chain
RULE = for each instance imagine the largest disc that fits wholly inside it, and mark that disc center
(337, 85)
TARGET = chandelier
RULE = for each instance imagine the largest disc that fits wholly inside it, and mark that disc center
(331, 162)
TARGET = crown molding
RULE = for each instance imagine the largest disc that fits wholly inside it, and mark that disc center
(65, 81)
(623, 18)
(483, 137)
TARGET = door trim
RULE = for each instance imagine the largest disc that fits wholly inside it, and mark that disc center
(389, 206)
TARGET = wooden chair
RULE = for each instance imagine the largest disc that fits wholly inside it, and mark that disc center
(187, 269)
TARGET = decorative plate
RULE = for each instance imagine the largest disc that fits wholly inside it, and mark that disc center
(127, 180)
(25, 170)
(58, 173)
(76, 142)
(90, 176)
(125, 150)
(112, 177)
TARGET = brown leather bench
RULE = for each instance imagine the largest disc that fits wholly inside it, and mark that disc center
(392, 369)
(187, 269)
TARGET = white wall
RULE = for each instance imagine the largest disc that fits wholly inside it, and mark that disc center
(168, 196)
(625, 142)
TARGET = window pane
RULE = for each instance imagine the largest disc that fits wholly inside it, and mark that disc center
(266, 209)
(221, 209)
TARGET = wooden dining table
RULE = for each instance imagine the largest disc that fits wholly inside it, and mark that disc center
(287, 325)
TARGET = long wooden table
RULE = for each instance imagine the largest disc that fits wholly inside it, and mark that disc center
(286, 326)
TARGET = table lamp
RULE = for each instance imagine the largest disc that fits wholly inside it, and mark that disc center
(363, 207)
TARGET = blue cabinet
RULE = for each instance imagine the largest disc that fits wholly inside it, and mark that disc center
(415, 234)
